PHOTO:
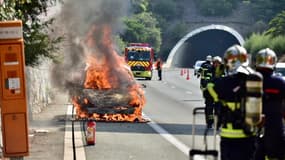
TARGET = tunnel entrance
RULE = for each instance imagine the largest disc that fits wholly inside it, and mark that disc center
(196, 45)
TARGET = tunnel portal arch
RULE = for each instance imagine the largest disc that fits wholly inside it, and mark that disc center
(196, 45)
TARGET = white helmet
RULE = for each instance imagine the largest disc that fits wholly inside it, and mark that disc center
(209, 58)
(217, 59)
(234, 57)
(266, 58)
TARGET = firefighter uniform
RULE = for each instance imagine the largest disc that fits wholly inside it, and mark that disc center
(206, 72)
(272, 144)
(219, 68)
(159, 68)
(237, 140)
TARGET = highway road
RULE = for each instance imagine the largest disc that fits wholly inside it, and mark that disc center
(167, 135)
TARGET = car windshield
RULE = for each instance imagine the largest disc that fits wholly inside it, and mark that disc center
(139, 56)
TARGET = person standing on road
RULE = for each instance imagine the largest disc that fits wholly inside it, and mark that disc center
(206, 72)
(237, 140)
(218, 71)
(219, 68)
(271, 145)
(159, 68)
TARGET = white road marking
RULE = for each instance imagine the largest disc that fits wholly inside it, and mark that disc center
(188, 92)
(68, 148)
(166, 135)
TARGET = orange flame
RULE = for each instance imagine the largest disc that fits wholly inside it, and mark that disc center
(104, 66)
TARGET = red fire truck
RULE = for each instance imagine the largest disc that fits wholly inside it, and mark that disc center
(140, 58)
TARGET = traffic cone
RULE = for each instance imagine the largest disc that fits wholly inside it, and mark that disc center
(181, 72)
(188, 76)
(184, 70)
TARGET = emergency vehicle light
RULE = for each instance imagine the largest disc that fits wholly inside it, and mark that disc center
(139, 44)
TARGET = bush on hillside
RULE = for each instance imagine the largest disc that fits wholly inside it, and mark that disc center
(258, 41)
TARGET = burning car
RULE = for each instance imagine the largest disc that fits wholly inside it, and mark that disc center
(109, 91)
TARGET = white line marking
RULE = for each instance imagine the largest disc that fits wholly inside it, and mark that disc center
(181, 146)
(166, 135)
(188, 92)
(68, 148)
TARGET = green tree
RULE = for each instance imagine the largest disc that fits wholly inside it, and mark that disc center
(277, 25)
(258, 41)
(142, 27)
(139, 6)
(36, 30)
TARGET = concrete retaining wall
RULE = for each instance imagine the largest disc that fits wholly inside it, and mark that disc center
(39, 88)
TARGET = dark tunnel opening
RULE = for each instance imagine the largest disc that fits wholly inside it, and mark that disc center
(210, 42)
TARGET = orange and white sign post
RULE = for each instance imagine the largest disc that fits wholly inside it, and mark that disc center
(13, 100)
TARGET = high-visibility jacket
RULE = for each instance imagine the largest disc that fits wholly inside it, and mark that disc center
(229, 91)
(219, 71)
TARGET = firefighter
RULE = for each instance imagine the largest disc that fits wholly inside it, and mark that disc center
(272, 144)
(159, 68)
(219, 68)
(206, 72)
(218, 71)
(237, 140)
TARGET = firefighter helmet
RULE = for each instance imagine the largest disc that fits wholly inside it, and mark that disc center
(266, 58)
(209, 58)
(234, 57)
(217, 59)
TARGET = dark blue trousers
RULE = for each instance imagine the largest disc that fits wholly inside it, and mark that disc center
(237, 148)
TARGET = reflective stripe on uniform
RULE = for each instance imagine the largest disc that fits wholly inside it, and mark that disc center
(205, 74)
(212, 92)
(271, 158)
(233, 105)
(229, 132)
